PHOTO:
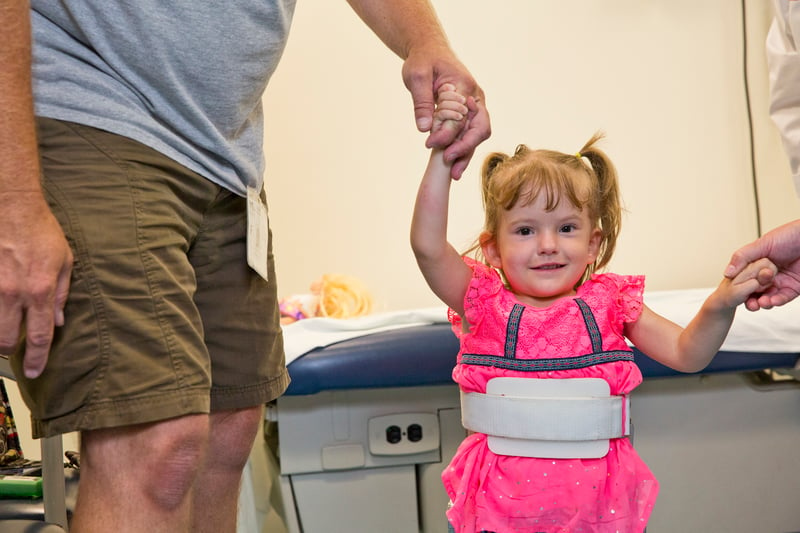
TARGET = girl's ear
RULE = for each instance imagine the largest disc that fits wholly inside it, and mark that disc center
(594, 244)
(489, 248)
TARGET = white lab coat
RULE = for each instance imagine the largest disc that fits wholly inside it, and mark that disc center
(783, 58)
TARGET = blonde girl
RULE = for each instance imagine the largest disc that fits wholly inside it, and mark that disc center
(536, 312)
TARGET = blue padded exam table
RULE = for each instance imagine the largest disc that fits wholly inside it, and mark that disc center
(425, 355)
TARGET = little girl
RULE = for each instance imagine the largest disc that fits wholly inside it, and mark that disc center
(535, 311)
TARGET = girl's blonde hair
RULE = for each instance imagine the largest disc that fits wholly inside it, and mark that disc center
(520, 178)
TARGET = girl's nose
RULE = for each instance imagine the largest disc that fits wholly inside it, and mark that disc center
(547, 242)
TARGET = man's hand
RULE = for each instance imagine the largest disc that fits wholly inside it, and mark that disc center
(425, 71)
(35, 268)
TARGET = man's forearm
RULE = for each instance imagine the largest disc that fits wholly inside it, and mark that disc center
(18, 156)
(401, 24)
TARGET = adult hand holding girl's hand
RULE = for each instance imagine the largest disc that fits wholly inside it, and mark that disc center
(753, 280)
(425, 71)
(782, 247)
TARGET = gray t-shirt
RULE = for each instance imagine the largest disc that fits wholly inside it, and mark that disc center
(185, 77)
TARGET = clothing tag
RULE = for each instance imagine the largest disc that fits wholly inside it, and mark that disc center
(257, 232)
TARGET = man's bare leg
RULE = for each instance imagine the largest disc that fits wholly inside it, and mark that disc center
(216, 489)
(140, 478)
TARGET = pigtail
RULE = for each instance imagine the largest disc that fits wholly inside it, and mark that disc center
(606, 204)
(490, 164)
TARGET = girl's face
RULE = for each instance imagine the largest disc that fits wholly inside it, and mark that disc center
(543, 254)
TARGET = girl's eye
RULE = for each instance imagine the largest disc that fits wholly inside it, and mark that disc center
(567, 228)
(525, 231)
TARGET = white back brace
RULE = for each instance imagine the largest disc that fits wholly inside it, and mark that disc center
(548, 418)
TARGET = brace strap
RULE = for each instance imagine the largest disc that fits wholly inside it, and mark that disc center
(557, 419)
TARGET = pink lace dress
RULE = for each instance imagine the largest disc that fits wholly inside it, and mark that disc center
(573, 338)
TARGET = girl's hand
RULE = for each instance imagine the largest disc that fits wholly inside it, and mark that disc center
(451, 110)
(755, 278)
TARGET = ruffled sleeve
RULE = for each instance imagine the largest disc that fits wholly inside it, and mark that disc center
(627, 291)
(485, 284)
(631, 295)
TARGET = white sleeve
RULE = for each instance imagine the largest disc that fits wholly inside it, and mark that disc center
(783, 59)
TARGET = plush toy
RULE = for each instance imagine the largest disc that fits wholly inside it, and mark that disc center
(332, 296)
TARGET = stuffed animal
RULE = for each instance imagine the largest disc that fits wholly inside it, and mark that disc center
(332, 296)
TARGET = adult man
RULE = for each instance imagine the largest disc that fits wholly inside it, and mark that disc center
(149, 137)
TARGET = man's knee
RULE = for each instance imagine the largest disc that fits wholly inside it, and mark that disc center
(161, 460)
(182, 456)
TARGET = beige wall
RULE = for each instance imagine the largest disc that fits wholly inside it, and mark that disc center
(663, 79)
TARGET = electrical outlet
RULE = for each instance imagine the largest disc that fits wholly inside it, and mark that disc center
(403, 434)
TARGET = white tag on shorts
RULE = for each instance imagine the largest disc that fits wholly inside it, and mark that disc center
(257, 232)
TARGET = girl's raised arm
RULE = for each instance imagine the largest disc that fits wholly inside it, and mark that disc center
(441, 264)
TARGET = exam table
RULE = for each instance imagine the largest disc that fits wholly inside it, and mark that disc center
(372, 417)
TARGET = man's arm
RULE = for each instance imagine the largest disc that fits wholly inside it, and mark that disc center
(35, 259)
(18, 166)
(411, 29)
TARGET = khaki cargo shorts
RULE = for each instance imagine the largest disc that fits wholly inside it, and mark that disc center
(164, 316)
